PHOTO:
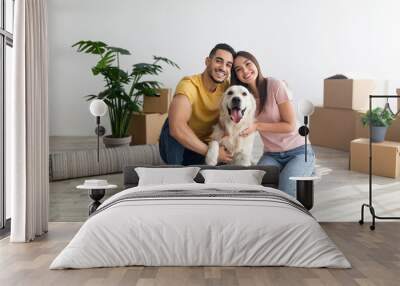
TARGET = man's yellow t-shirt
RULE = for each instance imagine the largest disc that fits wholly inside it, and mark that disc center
(205, 104)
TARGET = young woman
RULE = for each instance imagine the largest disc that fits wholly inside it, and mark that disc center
(275, 121)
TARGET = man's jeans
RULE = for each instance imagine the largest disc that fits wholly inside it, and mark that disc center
(173, 153)
(291, 164)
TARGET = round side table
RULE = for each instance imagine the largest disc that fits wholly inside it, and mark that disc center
(305, 190)
(96, 193)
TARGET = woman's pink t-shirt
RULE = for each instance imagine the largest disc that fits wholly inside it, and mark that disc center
(278, 93)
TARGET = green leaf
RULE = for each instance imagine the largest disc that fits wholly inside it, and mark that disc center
(105, 62)
(103, 94)
(90, 97)
(108, 102)
(91, 47)
(147, 92)
(125, 97)
(141, 69)
(119, 50)
(165, 60)
(115, 74)
(147, 88)
(114, 92)
(133, 107)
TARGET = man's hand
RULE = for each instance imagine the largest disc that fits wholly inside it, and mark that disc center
(224, 155)
(249, 130)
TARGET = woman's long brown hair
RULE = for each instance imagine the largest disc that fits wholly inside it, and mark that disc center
(261, 81)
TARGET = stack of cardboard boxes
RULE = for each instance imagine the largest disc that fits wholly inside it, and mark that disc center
(337, 125)
(145, 127)
(386, 154)
(338, 122)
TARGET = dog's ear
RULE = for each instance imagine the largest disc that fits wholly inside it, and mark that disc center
(221, 123)
(222, 107)
(253, 106)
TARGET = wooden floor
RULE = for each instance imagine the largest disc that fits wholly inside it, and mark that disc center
(374, 255)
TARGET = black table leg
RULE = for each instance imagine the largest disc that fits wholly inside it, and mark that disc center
(96, 195)
(305, 193)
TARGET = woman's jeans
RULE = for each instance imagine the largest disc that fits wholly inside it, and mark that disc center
(291, 164)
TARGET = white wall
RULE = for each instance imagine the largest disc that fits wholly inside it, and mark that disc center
(299, 41)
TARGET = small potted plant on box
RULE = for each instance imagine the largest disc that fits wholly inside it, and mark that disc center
(123, 89)
(379, 119)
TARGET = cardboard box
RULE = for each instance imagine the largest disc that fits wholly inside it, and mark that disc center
(385, 157)
(348, 93)
(145, 128)
(333, 127)
(158, 104)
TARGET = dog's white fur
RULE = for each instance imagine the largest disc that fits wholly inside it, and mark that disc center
(227, 132)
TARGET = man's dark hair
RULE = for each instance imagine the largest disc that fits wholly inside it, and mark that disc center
(222, 46)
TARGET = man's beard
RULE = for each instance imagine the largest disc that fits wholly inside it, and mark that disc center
(213, 79)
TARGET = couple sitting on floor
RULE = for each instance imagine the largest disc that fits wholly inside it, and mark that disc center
(195, 110)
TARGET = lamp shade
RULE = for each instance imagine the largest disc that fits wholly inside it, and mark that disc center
(98, 107)
(305, 107)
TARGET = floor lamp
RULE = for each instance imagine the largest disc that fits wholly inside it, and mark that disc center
(305, 185)
(98, 108)
(306, 109)
(97, 188)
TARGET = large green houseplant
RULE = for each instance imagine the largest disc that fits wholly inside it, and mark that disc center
(123, 89)
(379, 119)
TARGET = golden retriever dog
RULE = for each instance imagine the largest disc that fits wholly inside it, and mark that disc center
(237, 112)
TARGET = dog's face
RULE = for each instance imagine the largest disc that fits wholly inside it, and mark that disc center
(238, 104)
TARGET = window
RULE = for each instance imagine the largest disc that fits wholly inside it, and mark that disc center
(6, 64)
(9, 19)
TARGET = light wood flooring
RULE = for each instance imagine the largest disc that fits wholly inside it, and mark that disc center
(374, 255)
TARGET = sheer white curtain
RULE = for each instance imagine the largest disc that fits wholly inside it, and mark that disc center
(27, 123)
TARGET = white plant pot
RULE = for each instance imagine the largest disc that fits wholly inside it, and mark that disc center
(111, 142)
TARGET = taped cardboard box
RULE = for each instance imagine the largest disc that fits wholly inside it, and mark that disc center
(333, 127)
(145, 128)
(350, 94)
(158, 104)
(385, 157)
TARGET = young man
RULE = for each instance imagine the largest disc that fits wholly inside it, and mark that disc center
(194, 111)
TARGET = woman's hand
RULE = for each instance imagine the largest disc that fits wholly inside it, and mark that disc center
(249, 130)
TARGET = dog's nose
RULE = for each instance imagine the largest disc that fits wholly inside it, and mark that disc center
(235, 101)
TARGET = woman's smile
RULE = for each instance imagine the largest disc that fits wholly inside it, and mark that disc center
(248, 76)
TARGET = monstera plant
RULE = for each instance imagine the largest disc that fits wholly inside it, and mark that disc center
(123, 89)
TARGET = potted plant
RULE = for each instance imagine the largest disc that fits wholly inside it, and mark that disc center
(123, 89)
(379, 119)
